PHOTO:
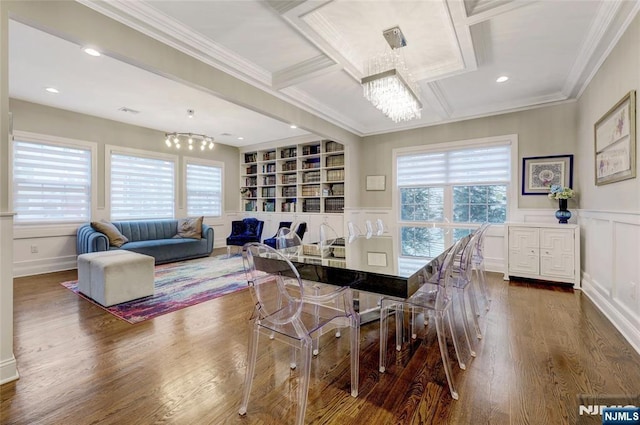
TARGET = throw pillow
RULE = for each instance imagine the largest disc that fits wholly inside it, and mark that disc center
(115, 237)
(190, 228)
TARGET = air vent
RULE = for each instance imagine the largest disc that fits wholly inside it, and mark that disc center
(226, 134)
(128, 110)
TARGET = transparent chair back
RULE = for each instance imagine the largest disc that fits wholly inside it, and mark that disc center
(328, 236)
(353, 231)
(285, 312)
(288, 243)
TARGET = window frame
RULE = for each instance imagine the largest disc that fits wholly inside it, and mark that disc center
(510, 140)
(30, 137)
(112, 149)
(205, 162)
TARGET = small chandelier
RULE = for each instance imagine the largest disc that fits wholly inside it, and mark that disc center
(389, 85)
(189, 140)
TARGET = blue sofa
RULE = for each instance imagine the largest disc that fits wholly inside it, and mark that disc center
(149, 237)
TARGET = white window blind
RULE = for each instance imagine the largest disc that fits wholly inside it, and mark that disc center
(141, 187)
(470, 165)
(204, 190)
(51, 183)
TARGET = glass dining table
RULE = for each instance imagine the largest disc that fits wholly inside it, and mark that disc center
(370, 266)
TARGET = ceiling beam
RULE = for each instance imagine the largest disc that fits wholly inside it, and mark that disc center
(303, 71)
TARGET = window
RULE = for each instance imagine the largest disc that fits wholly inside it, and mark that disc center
(204, 189)
(51, 179)
(447, 191)
(141, 186)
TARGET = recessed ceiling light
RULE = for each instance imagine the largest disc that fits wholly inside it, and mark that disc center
(240, 138)
(293, 126)
(52, 90)
(91, 51)
(502, 79)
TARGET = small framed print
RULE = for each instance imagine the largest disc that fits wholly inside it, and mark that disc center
(375, 182)
(539, 173)
(615, 142)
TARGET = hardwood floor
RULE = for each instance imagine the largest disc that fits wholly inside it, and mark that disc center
(80, 365)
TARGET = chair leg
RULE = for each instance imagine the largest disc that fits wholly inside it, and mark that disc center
(384, 333)
(473, 303)
(355, 353)
(442, 342)
(252, 355)
(465, 320)
(305, 377)
(399, 326)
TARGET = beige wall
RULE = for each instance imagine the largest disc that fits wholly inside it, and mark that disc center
(542, 131)
(57, 122)
(619, 74)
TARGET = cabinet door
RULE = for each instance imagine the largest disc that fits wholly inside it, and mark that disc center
(557, 253)
(524, 251)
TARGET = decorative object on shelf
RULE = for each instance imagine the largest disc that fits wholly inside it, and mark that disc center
(388, 85)
(615, 142)
(562, 194)
(539, 173)
(177, 140)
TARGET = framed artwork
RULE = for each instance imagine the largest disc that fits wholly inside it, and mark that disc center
(375, 182)
(615, 142)
(540, 172)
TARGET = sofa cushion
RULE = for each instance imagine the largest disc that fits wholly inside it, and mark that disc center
(190, 228)
(115, 237)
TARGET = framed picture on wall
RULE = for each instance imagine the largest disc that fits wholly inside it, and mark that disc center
(539, 173)
(615, 142)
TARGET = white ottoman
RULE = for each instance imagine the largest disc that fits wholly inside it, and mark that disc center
(114, 277)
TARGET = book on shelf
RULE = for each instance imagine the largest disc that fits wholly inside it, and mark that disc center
(268, 156)
(290, 166)
(311, 150)
(331, 146)
(311, 163)
(250, 157)
(252, 169)
(288, 153)
(335, 160)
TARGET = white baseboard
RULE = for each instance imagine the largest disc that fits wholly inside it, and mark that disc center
(8, 370)
(630, 332)
(46, 265)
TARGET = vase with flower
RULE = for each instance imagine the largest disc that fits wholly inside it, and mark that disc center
(562, 194)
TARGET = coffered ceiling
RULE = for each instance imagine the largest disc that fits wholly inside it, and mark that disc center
(311, 54)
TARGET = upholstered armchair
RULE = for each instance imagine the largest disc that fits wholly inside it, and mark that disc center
(300, 229)
(243, 231)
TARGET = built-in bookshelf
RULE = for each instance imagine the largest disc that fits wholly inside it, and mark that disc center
(307, 177)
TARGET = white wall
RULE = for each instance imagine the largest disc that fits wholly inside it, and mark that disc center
(610, 215)
(55, 246)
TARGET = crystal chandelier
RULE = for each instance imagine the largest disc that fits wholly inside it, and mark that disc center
(389, 85)
(177, 140)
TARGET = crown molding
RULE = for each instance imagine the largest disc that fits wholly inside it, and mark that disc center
(303, 71)
(624, 16)
(485, 10)
(167, 30)
(588, 51)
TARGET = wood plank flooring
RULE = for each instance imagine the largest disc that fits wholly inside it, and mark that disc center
(80, 365)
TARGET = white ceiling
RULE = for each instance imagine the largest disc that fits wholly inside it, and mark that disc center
(311, 53)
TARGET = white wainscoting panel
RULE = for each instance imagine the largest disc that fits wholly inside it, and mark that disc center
(611, 270)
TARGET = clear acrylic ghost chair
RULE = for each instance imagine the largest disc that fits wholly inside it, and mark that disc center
(289, 315)
(369, 228)
(478, 266)
(353, 230)
(432, 298)
(328, 236)
(379, 227)
(463, 283)
(289, 244)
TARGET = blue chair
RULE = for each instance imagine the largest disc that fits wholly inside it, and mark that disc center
(299, 228)
(244, 231)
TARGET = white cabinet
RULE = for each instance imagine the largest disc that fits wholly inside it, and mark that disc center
(543, 251)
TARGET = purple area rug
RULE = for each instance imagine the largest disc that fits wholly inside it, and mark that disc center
(179, 285)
